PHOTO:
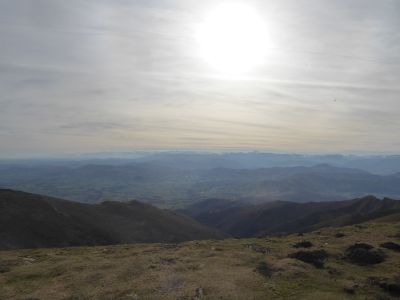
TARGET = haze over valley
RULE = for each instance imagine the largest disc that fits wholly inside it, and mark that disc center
(178, 179)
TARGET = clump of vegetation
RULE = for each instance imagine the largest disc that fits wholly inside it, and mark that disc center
(303, 244)
(397, 235)
(363, 254)
(360, 246)
(265, 269)
(4, 268)
(391, 286)
(316, 258)
(391, 246)
(334, 271)
(351, 290)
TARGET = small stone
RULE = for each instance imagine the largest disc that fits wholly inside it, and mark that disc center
(199, 293)
(258, 248)
(133, 296)
(28, 259)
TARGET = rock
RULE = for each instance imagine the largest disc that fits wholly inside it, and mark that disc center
(258, 248)
(339, 235)
(28, 259)
(133, 296)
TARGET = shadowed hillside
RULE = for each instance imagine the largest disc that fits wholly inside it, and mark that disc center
(287, 217)
(33, 221)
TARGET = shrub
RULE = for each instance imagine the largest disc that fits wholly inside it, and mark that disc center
(392, 288)
(391, 246)
(349, 290)
(363, 254)
(316, 258)
(360, 246)
(303, 244)
(265, 269)
(4, 269)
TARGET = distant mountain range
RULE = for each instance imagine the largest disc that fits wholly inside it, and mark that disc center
(170, 184)
(241, 220)
(375, 164)
(35, 221)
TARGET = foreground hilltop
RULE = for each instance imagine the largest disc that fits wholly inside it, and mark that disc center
(35, 221)
(355, 262)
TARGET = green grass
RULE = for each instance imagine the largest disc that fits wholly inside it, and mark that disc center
(223, 269)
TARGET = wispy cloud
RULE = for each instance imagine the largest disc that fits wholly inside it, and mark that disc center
(115, 75)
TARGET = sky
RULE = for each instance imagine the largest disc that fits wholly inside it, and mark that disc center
(83, 76)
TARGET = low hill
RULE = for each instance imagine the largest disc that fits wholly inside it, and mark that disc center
(33, 221)
(287, 217)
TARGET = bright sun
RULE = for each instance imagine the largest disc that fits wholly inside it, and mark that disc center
(233, 39)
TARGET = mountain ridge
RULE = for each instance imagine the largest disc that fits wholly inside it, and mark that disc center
(32, 221)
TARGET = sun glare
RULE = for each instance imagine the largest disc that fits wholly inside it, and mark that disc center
(232, 39)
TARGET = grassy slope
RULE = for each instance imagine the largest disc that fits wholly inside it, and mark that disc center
(224, 269)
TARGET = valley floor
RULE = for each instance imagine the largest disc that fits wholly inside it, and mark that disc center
(229, 269)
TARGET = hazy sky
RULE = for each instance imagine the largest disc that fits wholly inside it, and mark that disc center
(102, 75)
